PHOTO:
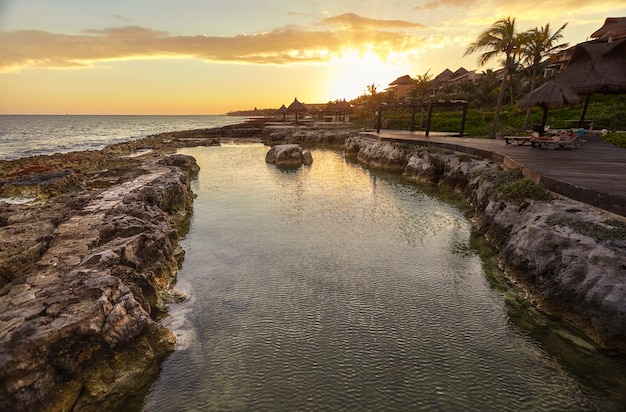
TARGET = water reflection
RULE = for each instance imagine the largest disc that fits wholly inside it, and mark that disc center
(334, 288)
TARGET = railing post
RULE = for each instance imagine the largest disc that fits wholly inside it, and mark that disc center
(430, 114)
(463, 117)
(379, 116)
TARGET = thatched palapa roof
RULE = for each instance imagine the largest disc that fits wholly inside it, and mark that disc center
(596, 67)
(296, 107)
(614, 27)
(550, 95)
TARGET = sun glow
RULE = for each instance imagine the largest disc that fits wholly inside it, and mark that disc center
(355, 71)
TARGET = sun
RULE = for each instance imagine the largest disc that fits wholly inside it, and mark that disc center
(354, 71)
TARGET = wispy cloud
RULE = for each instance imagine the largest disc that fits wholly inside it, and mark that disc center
(354, 21)
(521, 8)
(33, 48)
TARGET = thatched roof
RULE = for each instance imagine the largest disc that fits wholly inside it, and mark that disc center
(613, 27)
(342, 106)
(596, 67)
(551, 95)
(296, 107)
(282, 109)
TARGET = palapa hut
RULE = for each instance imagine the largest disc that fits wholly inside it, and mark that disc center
(550, 95)
(296, 107)
(341, 108)
(597, 66)
(283, 111)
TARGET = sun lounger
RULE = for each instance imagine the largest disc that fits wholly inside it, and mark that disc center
(561, 140)
(520, 140)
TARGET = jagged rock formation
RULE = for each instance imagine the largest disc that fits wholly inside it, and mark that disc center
(570, 258)
(84, 276)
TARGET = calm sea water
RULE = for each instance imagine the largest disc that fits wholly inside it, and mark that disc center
(22, 136)
(332, 288)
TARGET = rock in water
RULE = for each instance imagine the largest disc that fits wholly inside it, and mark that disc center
(288, 156)
(307, 158)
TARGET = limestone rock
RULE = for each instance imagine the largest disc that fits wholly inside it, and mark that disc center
(307, 137)
(307, 158)
(84, 276)
(287, 156)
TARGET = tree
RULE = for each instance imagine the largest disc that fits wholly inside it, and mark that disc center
(371, 89)
(535, 46)
(423, 84)
(422, 89)
(500, 38)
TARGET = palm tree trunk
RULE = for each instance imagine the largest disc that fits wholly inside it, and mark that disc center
(532, 87)
(496, 115)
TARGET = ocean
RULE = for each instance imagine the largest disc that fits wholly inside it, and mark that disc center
(30, 135)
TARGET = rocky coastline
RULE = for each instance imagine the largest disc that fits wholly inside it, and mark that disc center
(88, 268)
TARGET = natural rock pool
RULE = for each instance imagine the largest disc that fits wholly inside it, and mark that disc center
(336, 288)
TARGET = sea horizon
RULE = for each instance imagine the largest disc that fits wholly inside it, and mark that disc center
(25, 135)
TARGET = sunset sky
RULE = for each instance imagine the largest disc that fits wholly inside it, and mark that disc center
(211, 57)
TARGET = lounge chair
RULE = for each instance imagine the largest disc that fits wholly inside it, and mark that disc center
(520, 140)
(560, 140)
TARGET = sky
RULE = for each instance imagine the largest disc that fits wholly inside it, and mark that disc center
(216, 56)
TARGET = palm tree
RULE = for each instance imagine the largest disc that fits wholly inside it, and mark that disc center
(423, 84)
(535, 46)
(372, 89)
(500, 38)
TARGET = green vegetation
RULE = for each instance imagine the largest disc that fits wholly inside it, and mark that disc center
(521, 189)
(607, 230)
(618, 139)
(512, 186)
(492, 97)
(606, 111)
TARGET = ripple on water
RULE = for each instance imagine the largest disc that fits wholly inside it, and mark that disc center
(331, 289)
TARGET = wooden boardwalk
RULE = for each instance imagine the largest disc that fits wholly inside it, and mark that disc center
(595, 174)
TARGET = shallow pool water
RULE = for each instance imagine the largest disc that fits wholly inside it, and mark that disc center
(333, 288)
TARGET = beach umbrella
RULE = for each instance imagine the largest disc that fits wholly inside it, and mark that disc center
(296, 107)
(597, 66)
(283, 111)
(550, 95)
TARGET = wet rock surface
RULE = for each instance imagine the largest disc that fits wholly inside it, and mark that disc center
(86, 270)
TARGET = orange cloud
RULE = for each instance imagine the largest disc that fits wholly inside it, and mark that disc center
(357, 22)
(33, 48)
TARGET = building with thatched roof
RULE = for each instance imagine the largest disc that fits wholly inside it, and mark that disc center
(597, 66)
(614, 28)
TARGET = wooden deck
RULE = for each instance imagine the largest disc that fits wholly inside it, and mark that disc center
(594, 174)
